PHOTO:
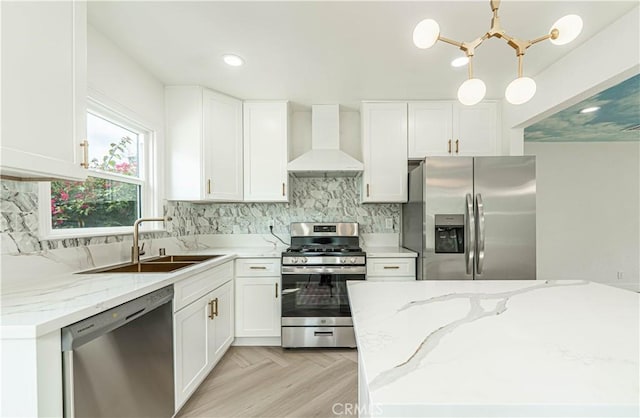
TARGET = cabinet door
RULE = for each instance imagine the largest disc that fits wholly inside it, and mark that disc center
(258, 307)
(222, 118)
(430, 129)
(266, 152)
(475, 127)
(223, 320)
(384, 146)
(185, 168)
(192, 358)
(43, 89)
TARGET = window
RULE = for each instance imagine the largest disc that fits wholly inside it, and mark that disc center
(118, 189)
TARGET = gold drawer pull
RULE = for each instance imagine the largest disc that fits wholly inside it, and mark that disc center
(276, 290)
(449, 149)
(216, 311)
(457, 143)
(211, 314)
(367, 189)
(391, 267)
(283, 193)
(258, 268)
(209, 186)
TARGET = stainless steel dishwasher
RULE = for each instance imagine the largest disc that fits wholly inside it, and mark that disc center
(119, 363)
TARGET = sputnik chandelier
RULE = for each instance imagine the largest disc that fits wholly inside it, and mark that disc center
(520, 90)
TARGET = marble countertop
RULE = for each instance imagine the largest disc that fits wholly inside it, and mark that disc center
(54, 301)
(497, 348)
(392, 252)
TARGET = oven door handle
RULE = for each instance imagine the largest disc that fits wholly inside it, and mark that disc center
(345, 270)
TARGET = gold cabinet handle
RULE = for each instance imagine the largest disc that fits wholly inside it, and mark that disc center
(85, 154)
(258, 268)
(457, 143)
(215, 313)
(367, 189)
(211, 314)
(391, 267)
(449, 147)
(276, 290)
(283, 193)
(208, 186)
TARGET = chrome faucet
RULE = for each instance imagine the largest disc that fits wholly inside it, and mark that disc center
(135, 250)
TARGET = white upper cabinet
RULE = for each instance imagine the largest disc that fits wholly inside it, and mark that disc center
(430, 128)
(204, 145)
(44, 60)
(449, 128)
(266, 139)
(384, 149)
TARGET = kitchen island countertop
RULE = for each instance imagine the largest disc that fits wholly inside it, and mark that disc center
(496, 348)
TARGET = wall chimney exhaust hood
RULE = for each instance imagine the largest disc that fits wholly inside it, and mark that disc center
(325, 158)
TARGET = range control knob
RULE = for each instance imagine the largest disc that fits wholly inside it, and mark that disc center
(303, 260)
(353, 260)
(343, 260)
(294, 260)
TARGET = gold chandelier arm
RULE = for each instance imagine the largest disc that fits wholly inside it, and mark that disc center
(450, 41)
(470, 67)
(520, 65)
(542, 38)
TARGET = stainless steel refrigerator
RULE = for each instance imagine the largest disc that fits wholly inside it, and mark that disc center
(472, 218)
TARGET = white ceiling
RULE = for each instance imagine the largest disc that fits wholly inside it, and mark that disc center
(336, 52)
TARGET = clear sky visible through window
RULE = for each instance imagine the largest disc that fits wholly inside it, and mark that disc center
(102, 134)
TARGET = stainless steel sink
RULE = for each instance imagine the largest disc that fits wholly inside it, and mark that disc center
(162, 264)
(182, 258)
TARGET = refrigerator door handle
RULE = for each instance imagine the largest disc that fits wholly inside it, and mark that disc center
(470, 229)
(480, 234)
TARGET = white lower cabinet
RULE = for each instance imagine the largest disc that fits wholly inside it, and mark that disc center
(203, 331)
(391, 269)
(258, 302)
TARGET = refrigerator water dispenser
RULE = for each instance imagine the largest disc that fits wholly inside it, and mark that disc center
(449, 234)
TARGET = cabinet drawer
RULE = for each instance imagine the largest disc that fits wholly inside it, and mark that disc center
(391, 267)
(257, 267)
(191, 289)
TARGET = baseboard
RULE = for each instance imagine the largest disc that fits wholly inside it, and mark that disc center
(258, 341)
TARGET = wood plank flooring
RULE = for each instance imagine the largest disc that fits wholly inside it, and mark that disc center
(277, 382)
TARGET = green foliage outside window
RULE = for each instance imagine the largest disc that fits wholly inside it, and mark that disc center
(98, 202)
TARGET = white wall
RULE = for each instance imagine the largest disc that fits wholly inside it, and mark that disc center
(588, 211)
(119, 82)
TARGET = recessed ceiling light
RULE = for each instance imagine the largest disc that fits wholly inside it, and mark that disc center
(460, 62)
(590, 109)
(233, 60)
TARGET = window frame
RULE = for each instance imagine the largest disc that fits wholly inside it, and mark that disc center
(147, 178)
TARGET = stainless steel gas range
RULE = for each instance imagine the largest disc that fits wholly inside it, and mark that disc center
(315, 304)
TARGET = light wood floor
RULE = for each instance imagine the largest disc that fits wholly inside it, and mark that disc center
(277, 382)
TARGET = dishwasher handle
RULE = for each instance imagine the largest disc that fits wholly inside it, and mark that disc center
(87, 330)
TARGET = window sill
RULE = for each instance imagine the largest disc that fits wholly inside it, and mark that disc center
(97, 232)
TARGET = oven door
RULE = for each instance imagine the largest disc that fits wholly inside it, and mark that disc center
(317, 295)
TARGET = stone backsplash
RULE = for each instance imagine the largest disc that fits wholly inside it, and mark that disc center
(312, 199)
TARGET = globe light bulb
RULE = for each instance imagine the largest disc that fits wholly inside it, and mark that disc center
(569, 27)
(426, 33)
(471, 91)
(520, 90)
